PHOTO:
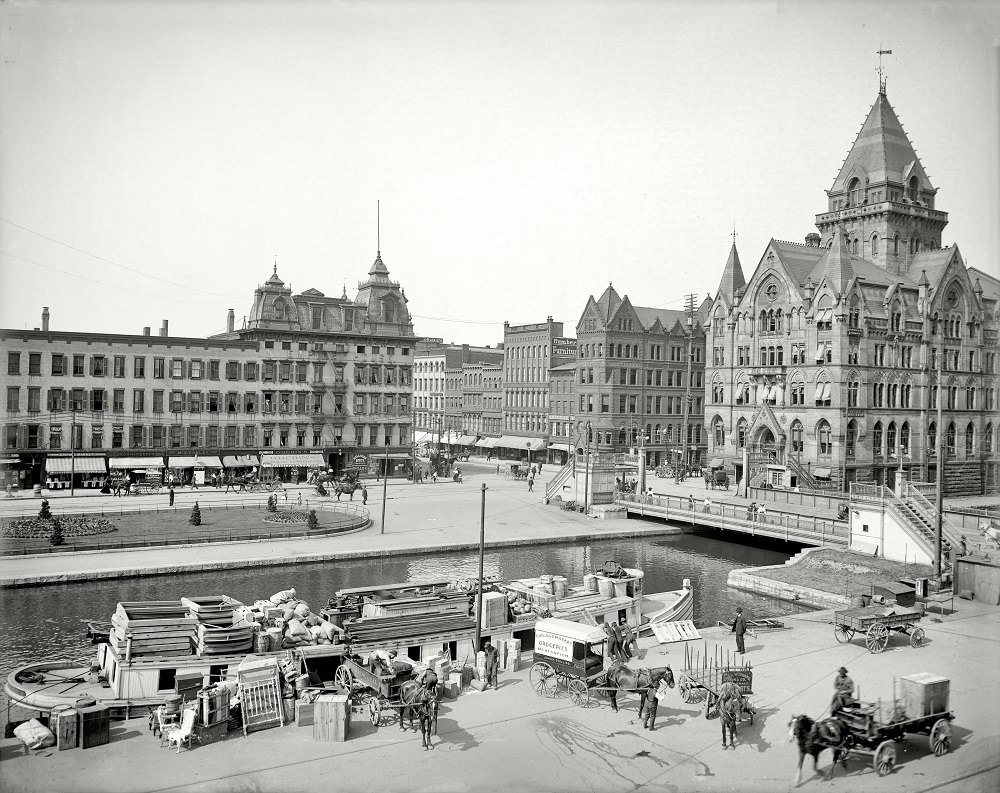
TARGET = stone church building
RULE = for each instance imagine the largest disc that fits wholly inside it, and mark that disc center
(827, 365)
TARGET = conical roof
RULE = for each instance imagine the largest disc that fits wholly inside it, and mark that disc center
(732, 277)
(274, 280)
(379, 268)
(882, 152)
(835, 265)
(609, 301)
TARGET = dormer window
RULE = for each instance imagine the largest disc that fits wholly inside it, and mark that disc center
(914, 188)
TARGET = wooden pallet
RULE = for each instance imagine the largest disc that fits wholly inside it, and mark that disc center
(678, 631)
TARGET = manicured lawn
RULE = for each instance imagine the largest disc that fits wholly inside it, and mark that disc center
(170, 526)
(843, 571)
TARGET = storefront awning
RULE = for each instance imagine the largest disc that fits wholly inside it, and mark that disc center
(240, 461)
(393, 456)
(521, 442)
(301, 460)
(821, 473)
(421, 437)
(198, 461)
(81, 465)
(10, 460)
(487, 443)
(717, 462)
(466, 440)
(128, 463)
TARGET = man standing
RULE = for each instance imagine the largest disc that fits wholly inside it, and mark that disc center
(707, 505)
(492, 664)
(614, 644)
(364, 494)
(843, 691)
(628, 639)
(531, 483)
(739, 628)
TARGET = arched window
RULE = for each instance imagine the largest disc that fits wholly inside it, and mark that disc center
(621, 437)
(741, 434)
(796, 436)
(852, 437)
(777, 319)
(949, 440)
(719, 433)
(824, 392)
(824, 436)
(932, 439)
(797, 392)
(970, 396)
(854, 246)
(897, 317)
(890, 439)
(895, 245)
(877, 439)
(970, 439)
(853, 386)
(914, 190)
(874, 245)
(988, 439)
(904, 439)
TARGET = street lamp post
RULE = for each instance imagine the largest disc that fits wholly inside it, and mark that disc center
(385, 482)
(482, 547)
(586, 475)
(528, 445)
(72, 451)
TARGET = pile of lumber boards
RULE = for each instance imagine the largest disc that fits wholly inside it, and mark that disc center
(156, 627)
(212, 609)
(451, 602)
(218, 640)
(369, 633)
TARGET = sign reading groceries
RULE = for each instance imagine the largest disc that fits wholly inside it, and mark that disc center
(554, 646)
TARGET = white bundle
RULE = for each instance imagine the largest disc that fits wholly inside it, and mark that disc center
(283, 597)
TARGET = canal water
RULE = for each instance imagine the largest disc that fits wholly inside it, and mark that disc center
(50, 622)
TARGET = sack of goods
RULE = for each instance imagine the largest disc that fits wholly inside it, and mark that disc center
(34, 734)
(283, 597)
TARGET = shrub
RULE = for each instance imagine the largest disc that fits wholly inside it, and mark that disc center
(57, 537)
(195, 519)
(313, 520)
(44, 513)
(272, 503)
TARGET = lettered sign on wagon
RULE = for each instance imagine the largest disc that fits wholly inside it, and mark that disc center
(554, 646)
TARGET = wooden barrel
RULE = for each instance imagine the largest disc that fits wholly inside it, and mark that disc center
(274, 639)
(606, 587)
(559, 586)
(590, 582)
(172, 704)
(261, 642)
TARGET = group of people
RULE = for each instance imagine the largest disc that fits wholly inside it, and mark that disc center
(621, 641)
(757, 512)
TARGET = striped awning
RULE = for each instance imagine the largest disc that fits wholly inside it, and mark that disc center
(198, 461)
(240, 461)
(81, 464)
(300, 460)
(10, 460)
(129, 463)
(487, 443)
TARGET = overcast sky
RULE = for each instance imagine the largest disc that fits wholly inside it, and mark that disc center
(155, 157)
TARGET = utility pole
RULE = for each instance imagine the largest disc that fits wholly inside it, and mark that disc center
(689, 301)
(939, 499)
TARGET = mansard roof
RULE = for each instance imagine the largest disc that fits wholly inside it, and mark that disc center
(881, 152)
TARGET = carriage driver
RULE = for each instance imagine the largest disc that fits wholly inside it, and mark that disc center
(384, 662)
(843, 691)
(429, 680)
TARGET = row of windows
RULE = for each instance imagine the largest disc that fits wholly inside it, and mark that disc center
(632, 403)
(654, 353)
(622, 376)
(671, 433)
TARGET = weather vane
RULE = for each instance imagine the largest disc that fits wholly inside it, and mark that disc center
(881, 74)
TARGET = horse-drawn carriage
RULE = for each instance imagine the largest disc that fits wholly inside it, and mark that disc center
(876, 622)
(516, 471)
(148, 483)
(382, 691)
(717, 479)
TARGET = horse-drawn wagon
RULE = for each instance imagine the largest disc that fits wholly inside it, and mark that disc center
(568, 655)
(379, 691)
(149, 483)
(876, 622)
(515, 471)
(709, 678)
(922, 709)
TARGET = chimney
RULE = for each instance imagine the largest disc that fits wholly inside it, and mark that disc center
(231, 321)
(813, 240)
(45, 318)
(163, 330)
(145, 331)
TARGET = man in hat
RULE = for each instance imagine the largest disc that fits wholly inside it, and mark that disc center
(843, 691)
(739, 628)
(492, 663)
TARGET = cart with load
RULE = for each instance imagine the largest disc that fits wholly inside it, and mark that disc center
(876, 622)
(376, 692)
(921, 708)
(703, 678)
(516, 471)
(569, 656)
(149, 482)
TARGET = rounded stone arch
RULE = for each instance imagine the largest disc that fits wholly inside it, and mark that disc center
(822, 374)
(873, 244)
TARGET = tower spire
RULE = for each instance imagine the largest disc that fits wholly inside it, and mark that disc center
(881, 73)
(378, 227)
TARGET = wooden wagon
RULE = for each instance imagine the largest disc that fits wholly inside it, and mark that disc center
(919, 706)
(376, 691)
(570, 656)
(702, 677)
(876, 622)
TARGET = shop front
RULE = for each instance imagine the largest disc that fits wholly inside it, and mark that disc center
(194, 471)
(136, 469)
(290, 468)
(13, 476)
(65, 472)
(240, 465)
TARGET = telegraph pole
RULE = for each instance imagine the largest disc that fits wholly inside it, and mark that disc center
(689, 301)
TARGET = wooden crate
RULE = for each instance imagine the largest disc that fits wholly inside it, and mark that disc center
(212, 734)
(331, 718)
(94, 726)
(305, 714)
(65, 725)
(924, 694)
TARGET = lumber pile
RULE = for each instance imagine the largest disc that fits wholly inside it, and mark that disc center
(219, 640)
(156, 627)
(414, 628)
(212, 609)
(451, 602)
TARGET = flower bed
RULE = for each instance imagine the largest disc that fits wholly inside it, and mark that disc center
(286, 517)
(41, 528)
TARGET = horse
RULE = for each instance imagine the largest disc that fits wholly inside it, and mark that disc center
(732, 706)
(417, 699)
(339, 488)
(813, 737)
(646, 682)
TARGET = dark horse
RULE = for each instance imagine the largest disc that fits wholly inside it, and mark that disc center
(813, 737)
(418, 701)
(645, 682)
(732, 707)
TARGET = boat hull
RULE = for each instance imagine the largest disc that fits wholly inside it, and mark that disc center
(673, 606)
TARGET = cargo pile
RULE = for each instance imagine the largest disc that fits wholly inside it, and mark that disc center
(287, 622)
(155, 627)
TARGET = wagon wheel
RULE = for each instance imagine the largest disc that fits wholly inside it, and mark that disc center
(878, 638)
(343, 678)
(917, 637)
(689, 692)
(844, 633)
(884, 758)
(543, 679)
(941, 737)
(375, 711)
(579, 692)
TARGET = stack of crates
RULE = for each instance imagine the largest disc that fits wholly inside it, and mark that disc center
(924, 694)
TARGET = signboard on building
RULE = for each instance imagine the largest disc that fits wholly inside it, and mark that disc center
(359, 461)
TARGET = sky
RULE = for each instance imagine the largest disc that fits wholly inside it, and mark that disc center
(158, 159)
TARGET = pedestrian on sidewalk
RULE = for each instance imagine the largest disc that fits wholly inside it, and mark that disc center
(750, 510)
(364, 494)
(691, 502)
(492, 663)
(762, 513)
(531, 484)
(707, 505)
(739, 628)
(171, 496)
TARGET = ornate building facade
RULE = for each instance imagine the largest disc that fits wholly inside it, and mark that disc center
(824, 366)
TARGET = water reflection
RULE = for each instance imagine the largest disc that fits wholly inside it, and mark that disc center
(50, 621)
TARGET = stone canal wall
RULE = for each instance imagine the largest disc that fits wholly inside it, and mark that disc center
(756, 579)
